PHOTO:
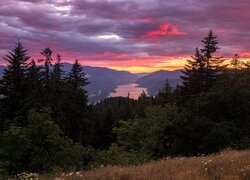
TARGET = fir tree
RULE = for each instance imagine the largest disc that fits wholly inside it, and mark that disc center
(58, 98)
(77, 76)
(46, 77)
(13, 83)
(47, 53)
(167, 87)
(203, 70)
(57, 71)
(14, 75)
(33, 87)
(194, 75)
(235, 62)
(164, 95)
(213, 63)
(78, 128)
(210, 47)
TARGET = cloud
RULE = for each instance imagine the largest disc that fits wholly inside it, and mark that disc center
(128, 33)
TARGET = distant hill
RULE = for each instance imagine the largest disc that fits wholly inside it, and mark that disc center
(140, 75)
(155, 81)
(103, 80)
(1, 71)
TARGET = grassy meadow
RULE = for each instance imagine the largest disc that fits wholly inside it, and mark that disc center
(227, 165)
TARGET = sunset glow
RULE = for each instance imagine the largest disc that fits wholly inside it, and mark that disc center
(132, 35)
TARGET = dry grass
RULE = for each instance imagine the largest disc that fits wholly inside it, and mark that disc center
(228, 165)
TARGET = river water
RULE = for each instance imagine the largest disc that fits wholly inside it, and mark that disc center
(132, 89)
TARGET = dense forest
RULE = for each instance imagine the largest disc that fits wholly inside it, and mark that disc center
(47, 123)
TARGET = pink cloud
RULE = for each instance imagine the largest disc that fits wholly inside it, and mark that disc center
(166, 29)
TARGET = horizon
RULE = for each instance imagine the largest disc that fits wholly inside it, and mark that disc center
(118, 69)
(135, 36)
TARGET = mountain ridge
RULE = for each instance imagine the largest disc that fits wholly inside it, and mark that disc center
(155, 81)
(104, 80)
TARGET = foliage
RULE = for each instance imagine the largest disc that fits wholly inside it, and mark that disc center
(148, 134)
(116, 155)
(40, 146)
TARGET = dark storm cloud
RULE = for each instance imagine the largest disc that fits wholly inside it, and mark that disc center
(92, 28)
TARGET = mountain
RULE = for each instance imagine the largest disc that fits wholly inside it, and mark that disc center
(140, 75)
(1, 71)
(155, 81)
(102, 80)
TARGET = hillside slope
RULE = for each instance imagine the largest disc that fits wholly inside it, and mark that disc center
(227, 165)
(1, 71)
(155, 81)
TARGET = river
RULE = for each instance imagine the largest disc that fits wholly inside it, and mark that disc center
(132, 89)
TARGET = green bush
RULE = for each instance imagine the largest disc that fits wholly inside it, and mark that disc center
(151, 135)
(38, 147)
(116, 155)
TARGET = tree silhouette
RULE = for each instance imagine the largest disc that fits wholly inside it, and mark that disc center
(13, 83)
(202, 71)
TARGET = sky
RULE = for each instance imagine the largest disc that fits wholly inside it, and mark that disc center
(133, 35)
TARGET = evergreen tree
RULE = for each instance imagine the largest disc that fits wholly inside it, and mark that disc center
(194, 75)
(164, 95)
(47, 53)
(167, 87)
(202, 71)
(213, 63)
(79, 126)
(57, 71)
(13, 83)
(58, 86)
(33, 87)
(235, 62)
(77, 76)
(46, 76)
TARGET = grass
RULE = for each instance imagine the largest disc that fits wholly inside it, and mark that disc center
(227, 165)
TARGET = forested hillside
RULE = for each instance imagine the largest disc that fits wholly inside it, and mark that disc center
(46, 122)
(156, 80)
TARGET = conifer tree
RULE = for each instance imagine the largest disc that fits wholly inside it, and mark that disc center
(57, 71)
(79, 125)
(213, 63)
(236, 63)
(202, 71)
(47, 53)
(167, 87)
(46, 77)
(13, 83)
(33, 77)
(194, 75)
(164, 95)
(77, 76)
(58, 86)
(14, 75)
